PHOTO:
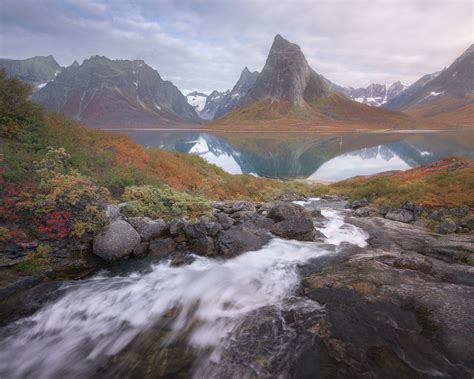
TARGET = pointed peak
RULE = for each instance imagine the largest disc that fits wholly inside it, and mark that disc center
(245, 69)
(75, 64)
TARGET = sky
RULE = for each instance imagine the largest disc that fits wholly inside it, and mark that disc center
(204, 45)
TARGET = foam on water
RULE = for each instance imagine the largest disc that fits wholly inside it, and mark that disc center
(98, 317)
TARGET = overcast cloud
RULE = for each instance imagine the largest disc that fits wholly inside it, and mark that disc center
(204, 45)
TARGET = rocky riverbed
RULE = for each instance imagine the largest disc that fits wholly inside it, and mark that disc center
(255, 290)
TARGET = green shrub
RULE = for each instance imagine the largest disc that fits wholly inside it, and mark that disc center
(164, 202)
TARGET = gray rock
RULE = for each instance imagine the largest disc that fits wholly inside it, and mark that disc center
(446, 226)
(461, 211)
(362, 212)
(242, 215)
(408, 205)
(140, 250)
(177, 229)
(439, 214)
(243, 206)
(225, 220)
(204, 246)
(213, 228)
(116, 241)
(401, 215)
(284, 211)
(237, 240)
(383, 211)
(195, 231)
(298, 228)
(162, 248)
(359, 203)
(148, 228)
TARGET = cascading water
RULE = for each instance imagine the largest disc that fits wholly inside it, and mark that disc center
(99, 317)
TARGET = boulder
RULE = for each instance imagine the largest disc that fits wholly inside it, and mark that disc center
(112, 212)
(147, 228)
(446, 226)
(162, 248)
(237, 240)
(362, 212)
(359, 203)
(204, 246)
(439, 214)
(461, 211)
(213, 228)
(225, 220)
(177, 229)
(116, 241)
(401, 215)
(284, 211)
(195, 231)
(408, 205)
(140, 250)
(243, 206)
(298, 228)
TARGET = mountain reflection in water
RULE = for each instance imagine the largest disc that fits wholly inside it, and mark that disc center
(317, 156)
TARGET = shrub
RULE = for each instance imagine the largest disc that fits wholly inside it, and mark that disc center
(164, 202)
(66, 203)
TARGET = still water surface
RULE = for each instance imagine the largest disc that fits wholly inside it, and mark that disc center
(316, 156)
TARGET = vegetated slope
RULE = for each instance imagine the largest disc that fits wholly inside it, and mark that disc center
(447, 182)
(289, 94)
(112, 161)
(105, 93)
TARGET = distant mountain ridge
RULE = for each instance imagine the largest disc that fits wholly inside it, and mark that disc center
(116, 93)
(35, 71)
(455, 82)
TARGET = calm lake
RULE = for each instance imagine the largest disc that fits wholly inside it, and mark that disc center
(317, 156)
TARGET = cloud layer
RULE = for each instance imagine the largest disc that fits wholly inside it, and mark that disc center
(204, 45)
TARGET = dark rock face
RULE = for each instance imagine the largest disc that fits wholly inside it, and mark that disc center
(116, 242)
(162, 248)
(298, 228)
(34, 71)
(281, 211)
(287, 76)
(359, 203)
(116, 93)
(446, 226)
(236, 240)
(452, 82)
(230, 101)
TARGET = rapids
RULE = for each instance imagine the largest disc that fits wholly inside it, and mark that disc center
(98, 317)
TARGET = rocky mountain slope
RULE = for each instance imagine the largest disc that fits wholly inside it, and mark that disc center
(109, 93)
(290, 91)
(287, 76)
(449, 90)
(231, 100)
(213, 102)
(36, 71)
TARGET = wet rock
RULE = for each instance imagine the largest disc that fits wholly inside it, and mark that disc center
(213, 228)
(298, 228)
(225, 220)
(316, 213)
(177, 229)
(116, 242)
(446, 226)
(204, 246)
(439, 214)
(237, 240)
(141, 250)
(401, 215)
(359, 203)
(162, 248)
(147, 228)
(284, 211)
(195, 231)
(362, 212)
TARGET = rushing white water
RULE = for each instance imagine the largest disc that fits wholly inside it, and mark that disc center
(97, 318)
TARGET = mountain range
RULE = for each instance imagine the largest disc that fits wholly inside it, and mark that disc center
(107, 93)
